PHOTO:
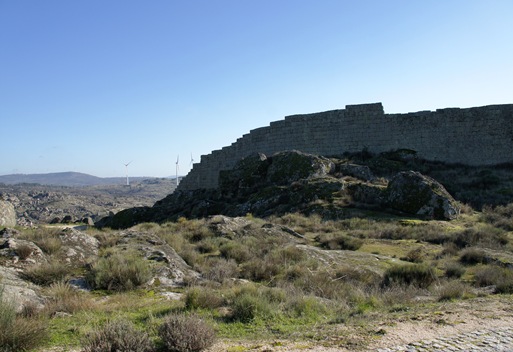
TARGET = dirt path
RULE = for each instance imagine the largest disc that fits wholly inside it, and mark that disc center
(480, 324)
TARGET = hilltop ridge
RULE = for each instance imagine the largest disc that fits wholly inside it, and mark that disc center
(69, 178)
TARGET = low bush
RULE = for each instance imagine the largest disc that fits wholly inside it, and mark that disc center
(201, 298)
(47, 273)
(501, 278)
(250, 303)
(119, 272)
(306, 307)
(45, 238)
(117, 336)
(357, 276)
(340, 241)
(181, 333)
(454, 270)
(49, 245)
(483, 235)
(24, 251)
(414, 256)
(19, 333)
(501, 216)
(452, 290)
(236, 251)
(417, 275)
(220, 269)
(64, 298)
(473, 256)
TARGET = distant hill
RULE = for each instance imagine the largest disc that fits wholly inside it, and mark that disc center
(71, 179)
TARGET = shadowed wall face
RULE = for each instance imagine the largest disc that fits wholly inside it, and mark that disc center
(473, 136)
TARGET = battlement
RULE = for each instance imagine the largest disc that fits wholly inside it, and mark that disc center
(473, 136)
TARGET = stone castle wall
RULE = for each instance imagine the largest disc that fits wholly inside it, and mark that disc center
(473, 136)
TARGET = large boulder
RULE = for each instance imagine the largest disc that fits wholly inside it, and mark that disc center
(362, 172)
(414, 193)
(245, 175)
(78, 247)
(290, 166)
(169, 268)
(7, 214)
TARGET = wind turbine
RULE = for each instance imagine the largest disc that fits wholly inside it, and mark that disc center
(192, 160)
(177, 160)
(126, 168)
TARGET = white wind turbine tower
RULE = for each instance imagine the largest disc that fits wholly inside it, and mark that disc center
(126, 169)
(177, 159)
(192, 160)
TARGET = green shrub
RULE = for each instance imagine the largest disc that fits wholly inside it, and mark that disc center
(120, 272)
(417, 275)
(340, 241)
(414, 256)
(198, 298)
(220, 269)
(117, 336)
(64, 298)
(47, 273)
(45, 238)
(454, 270)
(306, 307)
(180, 333)
(206, 246)
(501, 278)
(452, 290)
(49, 245)
(483, 235)
(357, 276)
(501, 216)
(236, 251)
(251, 303)
(473, 256)
(260, 270)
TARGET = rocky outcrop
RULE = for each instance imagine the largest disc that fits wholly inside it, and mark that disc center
(7, 214)
(361, 172)
(170, 270)
(293, 181)
(414, 193)
(291, 166)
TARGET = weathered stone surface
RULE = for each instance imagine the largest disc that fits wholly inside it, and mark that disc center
(88, 221)
(362, 172)
(7, 214)
(8, 232)
(19, 291)
(170, 269)
(78, 246)
(287, 167)
(365, 193)
(414, 193)
(247, 173)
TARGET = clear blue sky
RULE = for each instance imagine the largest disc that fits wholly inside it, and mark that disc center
(89, 85)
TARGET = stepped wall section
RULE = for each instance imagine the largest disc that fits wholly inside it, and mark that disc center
(473, 136)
